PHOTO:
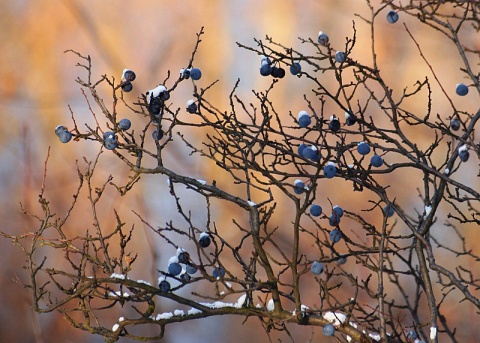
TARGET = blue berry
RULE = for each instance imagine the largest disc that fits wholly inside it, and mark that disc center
(59, 129)
(174, 268)
(191, 106)
(164, 286)
(328, 330)
(463, 153)
(185, 73)
(218, 272)
(316, 268)
(278, 72)
(127, 86)
(311, 153)
(128, 75)
(342, 260)
(388, 211)
(157, 136)
(295, 68)
(376, 161)
(412, 335)
(124, 124)
(304, 119)
(316, 210)
(334, 124)
(185, 277)
(183, 257)
(461, 89)
(363, 148)
(455, 124)
(335, 236)
(65, 136)
(340, 57)
(265, 70)
(110, 143)
(265, 60)
(350, 118)
(301, 149)
(195, 74)
(392, 17)
(338, 210)
(330, 171)
(334, 219)
(298, 187)
(190, 269)
(204, 240)
(323, 38)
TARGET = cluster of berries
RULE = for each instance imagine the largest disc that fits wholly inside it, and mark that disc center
(181, 266)
(128, 76)
(63, 134)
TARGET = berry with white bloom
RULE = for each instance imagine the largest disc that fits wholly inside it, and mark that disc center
(328, 330)
(363, 148)
(304, 119)
(323, 38)
(334, 124)
(392, 17)
(335, 235)
(204, 240)
(461, 89)
(463, 153)
(128, 75)
(340, 57)
(350, 118)
(330, 170)
(191, 106)
(455, 124)
(65, 136)
(124, 124)
(298, 186)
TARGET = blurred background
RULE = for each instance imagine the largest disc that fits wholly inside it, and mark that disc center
(152, 37)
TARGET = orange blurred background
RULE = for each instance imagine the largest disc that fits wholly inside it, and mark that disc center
(152, 37)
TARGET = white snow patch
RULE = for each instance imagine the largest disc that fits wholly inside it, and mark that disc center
(115, 327)
(144, 282)
(332, 118)
(194, 311)
(375, 336)
(203, 182)
(462, 148)
(121, 319)
(251, 203)
(270, 305)
(203, 234)
(240, 301)
(314, 148)
(302, 114)
(447, 171)
(155, 92)
(118, 276)
(297, 181)
(178, 313)
(433, 332)
(189, 102)
(165, 315)
(335, 318)
(428, 209)
(303, 307)
(173, 259)
(119, 294)
(331, 163)
(180, 250)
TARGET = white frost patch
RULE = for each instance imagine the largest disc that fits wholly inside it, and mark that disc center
(428, 209)
(166, 315)
(155, 92)
(270, 305)
(203, 182)
(251, 203)
(331, 163)
(433, 332)
(335, 318)
(194, 311)
(118, 276)
(169, 183)
(203, 234)
(173, 259)
(240, 301)
(115, 327)
(375, 336)
(302, 114)
(189, 102)
(121, 319)
(314, 148)
(462, 148)
(178, 313)
(447, 171)
(144, 282)
(180, 250)
(332, 118)
(119, 294)
(304, 307)
(297, 181)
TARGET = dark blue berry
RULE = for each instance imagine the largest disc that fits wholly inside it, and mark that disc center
(174, 268)
(295, 68)
(316, 268)
(195, 74)
(329, 330)
(127, 86)
(164, 286)
(124, 124)
(392, 17)
(315, 210)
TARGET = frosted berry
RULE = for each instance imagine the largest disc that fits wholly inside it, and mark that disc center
(204, 240)
(59, 129)
(330, 170)
(304, 119)
(218, 272)
(334, 124)
(191, 106)
(311, 153)
(363, 148)
(110, 142)
(265, 70)
(463, 153)
(183, 257)
(174, 268)
(350, 118)
(185, 73)
(338, 210)
(323, 38)
(298, 187)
